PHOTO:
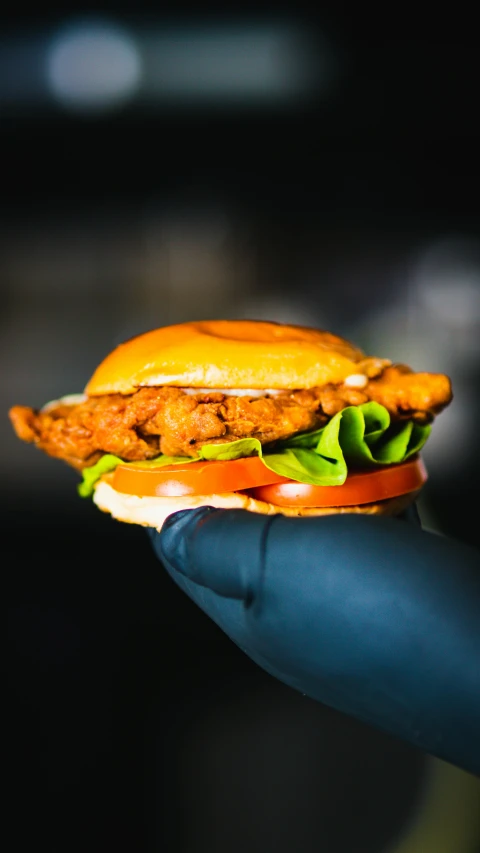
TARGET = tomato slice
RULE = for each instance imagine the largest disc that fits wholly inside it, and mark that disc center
(195, 478)
(360, 487)
(249, 473)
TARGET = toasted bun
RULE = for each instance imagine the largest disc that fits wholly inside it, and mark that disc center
(227, 354)
(152, 511)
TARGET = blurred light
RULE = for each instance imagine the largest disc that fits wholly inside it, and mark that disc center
(234, 63)
(96, 64)
(93, 66)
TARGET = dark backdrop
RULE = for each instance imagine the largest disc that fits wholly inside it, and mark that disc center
(133, 722)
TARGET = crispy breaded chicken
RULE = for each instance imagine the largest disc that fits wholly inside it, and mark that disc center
(167, 420)
(407, 394)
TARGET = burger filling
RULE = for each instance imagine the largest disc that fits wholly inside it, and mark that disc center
(175, 422)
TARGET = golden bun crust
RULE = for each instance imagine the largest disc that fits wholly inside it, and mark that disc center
(227, 354)
(152, 511)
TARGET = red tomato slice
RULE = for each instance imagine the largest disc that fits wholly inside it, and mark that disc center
(214, 477)
(195, 478)
(360, 487)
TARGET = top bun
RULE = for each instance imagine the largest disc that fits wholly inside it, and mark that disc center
(249, 354)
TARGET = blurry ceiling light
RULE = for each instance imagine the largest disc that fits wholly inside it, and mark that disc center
(233, 63)
(93, 65)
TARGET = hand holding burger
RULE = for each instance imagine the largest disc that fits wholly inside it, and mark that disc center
(370, 615)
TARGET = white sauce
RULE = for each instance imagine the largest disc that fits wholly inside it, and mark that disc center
(356, 380)
(238, 392)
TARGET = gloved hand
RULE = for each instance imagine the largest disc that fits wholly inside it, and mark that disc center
(372, 616)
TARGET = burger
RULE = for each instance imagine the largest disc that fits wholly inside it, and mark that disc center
(261, 416)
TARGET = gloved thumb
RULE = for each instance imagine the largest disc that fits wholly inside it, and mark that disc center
(223, 550)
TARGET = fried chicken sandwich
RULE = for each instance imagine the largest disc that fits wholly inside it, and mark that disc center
(264, 416)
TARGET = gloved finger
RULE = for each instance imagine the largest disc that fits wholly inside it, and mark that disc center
(230, 614)
(220, 549)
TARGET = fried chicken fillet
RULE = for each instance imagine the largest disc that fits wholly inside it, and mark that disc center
(174, 422)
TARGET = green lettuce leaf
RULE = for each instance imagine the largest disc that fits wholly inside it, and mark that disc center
(231, 450)
(357, 437)
(297, 463)
(367, 436)
(94, 472)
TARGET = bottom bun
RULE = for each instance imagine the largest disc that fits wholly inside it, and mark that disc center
(152, 511)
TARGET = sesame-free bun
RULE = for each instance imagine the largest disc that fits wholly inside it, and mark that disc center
(250, 354)
(152, 511)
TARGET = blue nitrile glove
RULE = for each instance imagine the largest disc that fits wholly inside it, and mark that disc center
(370, 615)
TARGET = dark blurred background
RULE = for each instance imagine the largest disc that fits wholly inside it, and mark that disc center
(164, 163)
